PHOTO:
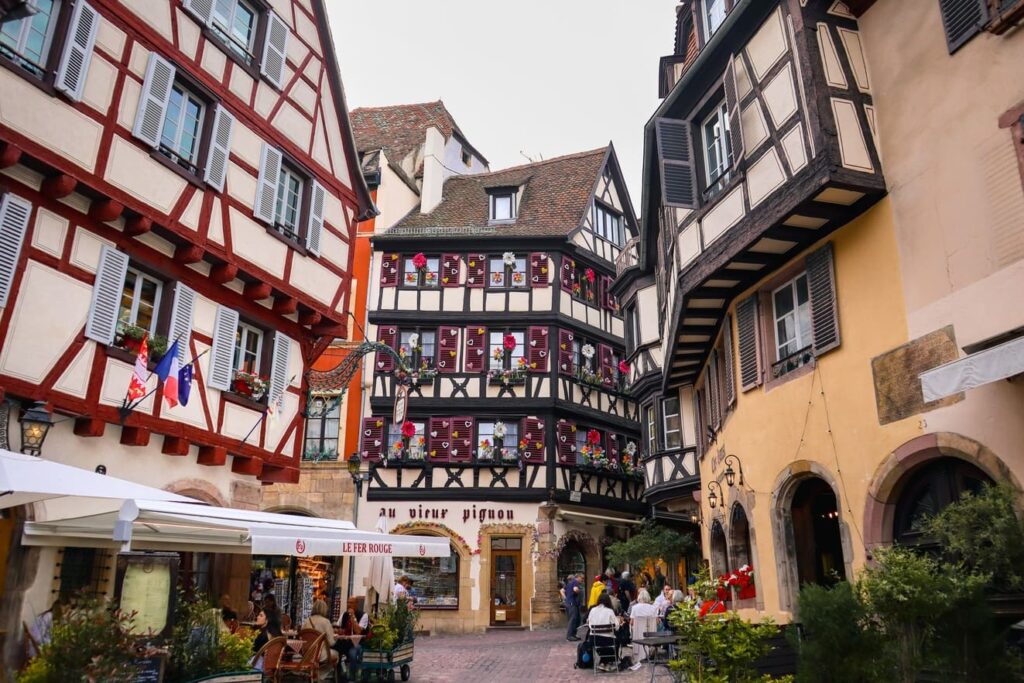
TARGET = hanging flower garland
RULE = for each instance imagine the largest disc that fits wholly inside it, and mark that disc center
(581, 537)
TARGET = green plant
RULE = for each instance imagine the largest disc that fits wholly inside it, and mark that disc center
(394, 624)
(653, 542)
(88, 642)
(199, 646)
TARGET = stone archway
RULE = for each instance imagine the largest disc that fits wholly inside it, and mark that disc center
(892, 473)
(198, 489)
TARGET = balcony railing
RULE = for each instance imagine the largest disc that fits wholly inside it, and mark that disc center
(792, 362)
(628, 257)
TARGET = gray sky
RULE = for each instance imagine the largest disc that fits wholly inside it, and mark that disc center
(543, 77)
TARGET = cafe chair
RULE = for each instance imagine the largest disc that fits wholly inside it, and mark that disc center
(307, 636)
(270, 655)
(308, 666)
(606, 649)
(640, 627)
(660, 657)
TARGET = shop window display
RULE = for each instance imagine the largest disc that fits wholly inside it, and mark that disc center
(435, 580)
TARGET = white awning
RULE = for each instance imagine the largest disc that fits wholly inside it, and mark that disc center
(27, 479)
(159, 525)
(983, 367)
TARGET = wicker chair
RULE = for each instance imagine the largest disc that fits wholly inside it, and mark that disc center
(271, 654)
(308, 667)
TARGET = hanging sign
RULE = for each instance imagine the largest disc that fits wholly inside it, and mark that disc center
(401, 403)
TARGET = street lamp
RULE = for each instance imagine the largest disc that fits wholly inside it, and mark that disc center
(35, 425)
(712, 498)
(730, 473)
(354, 465)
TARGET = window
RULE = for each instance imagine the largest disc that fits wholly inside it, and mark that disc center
(503, 206)
(248, 349)
(467, 157)
(422, 352)
(323, 421)
(503, 275)
(714, 15)
(235, 23)
(500, 360)
(584, 282)
(183, 126)
(435, 580)
(140, 302)
(608, 224)
(652, 431)
(80, 572)
(492, 447)
(27, 41)
(288, 206)
(427, 276)
(792, 309)
(673, 425)
(717, 147)
(417, 442)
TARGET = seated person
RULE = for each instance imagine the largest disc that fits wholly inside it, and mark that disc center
(602, 614)
(353, 623)
(318, 621)
(268, 621)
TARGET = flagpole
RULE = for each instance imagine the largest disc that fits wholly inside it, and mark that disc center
(126, 409)
(125, 402)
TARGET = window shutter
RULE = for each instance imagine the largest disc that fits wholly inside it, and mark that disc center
(607, 300)
(565, 352)
(447, 349)
(220, 149)
(280, 365)
(476, 271)
(14, 215)
(732, 105)
(821, 283)
(565, 274)
(200, 9)
(698, 412)
(606, 360)
(275, 50)
(266, 187)
(106, 295)
(532, 432)
(566, 446)
(451, 267)
(714, 393)
(73, 68)
(181, 319)
(708, 415)
(386, 335)
(537, 353)
(475, 357)
(675, 157)
(389, 270)
(372, 439)
(462, 447)
(156, 92)
(222, 355)
(728, 360)
(613, 447)
(746, 328)
(539, 270)
(315, 229)
(962, 19)
(439, 443)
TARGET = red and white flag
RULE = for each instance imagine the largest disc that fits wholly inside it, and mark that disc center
(137, 386)
(171, 383)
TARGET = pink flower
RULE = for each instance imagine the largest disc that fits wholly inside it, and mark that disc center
(589, 272)
(623, 367)
(509, 342)
(419, 260)
(408, 429)
(593, 437)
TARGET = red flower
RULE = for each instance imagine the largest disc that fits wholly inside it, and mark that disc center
(509, 342)
(593, 437)
(623, 367)
(589, 272)
(420, 261)
(408, 429)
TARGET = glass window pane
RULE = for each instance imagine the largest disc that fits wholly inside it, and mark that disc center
(149, 297)
(497, 269)
(502, 207)
(519, 273)
(432, 273)
(485, 440)
(124, 315)
(783, 301)
(496, 351)
(427, 343)
(801, 289)
(435, 581)
(411, 276)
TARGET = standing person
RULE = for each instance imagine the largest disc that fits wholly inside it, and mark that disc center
(596, 589)
(627, 591)
(572, 594)
(663, 600)
(609, 581)
(400, 590)
(676, 604)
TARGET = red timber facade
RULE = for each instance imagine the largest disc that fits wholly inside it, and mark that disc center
(184, 169)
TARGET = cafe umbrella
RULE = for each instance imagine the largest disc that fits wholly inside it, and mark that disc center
(382, 572)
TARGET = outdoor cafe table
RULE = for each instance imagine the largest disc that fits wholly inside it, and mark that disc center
(655, 642)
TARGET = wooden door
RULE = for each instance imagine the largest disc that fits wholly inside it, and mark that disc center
(506, 581)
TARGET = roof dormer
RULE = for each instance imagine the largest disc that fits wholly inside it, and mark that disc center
(503, 204)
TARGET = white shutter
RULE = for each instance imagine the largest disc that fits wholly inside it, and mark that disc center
(316, 218)
(280, 363)
(200, 9)
(181, 319)
(106, 295)
(275, 50)
(74, 62)
(266, 187)
(156, 92)
(222, 356)
(14, 215)
(220, 148)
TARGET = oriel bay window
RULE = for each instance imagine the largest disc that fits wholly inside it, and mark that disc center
(608, 224)
(435, 580)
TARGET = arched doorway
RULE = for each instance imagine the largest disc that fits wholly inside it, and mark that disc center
(719, 553)
(572, 560)
(927, 491)
(739, 538)
(817, 540)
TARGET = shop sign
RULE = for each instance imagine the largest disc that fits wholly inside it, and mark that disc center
(354, 548)
(401, 403)
(481, 514)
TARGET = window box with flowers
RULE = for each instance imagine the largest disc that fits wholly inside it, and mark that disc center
(129, 338)
(739, 583)
(584, 365)
(505, 373)
(583, 283)
(592, 454)
(630, 464)
(409, 371)
(250, 385)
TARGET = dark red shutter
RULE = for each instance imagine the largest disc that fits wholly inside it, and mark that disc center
(439, 442)
(565, 352)
(539, 267)
(386, 334)
(607, 299)
(614, 446)
(476, 270)
(537, 353)
(447, 349)
(451, 265)
(389, 270)
(565, 274)
(532, 432)
(606, 359)
(476, 349)
(372, 439)
(463, 443)
(566, 442)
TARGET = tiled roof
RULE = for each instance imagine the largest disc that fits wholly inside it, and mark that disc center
(554, 199)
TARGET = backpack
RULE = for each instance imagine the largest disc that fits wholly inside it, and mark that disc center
(584, 655)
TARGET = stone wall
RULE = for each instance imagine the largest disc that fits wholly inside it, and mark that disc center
(325, 490)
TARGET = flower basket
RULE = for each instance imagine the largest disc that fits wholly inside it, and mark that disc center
(250, 385)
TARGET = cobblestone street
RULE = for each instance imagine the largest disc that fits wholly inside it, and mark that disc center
(504, 658)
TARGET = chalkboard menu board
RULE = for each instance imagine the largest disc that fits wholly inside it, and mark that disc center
(151, 670)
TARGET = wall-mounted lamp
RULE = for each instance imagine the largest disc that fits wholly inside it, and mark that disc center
(354, 465)
(35, 425)
(730, 473)
(712, 498)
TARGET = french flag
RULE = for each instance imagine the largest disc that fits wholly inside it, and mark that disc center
(167, 371)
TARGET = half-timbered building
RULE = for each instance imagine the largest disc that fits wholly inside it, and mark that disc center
(175, 171)
(498, 413)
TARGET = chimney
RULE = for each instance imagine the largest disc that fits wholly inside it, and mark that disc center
(434, 173)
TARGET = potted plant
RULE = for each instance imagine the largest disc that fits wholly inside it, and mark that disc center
(250, 384)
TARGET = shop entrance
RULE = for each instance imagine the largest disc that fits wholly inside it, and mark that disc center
(506, 581)
(819, 548)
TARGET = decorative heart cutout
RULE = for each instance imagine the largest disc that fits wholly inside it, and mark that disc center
(470, 341)
(479, 352)
(562, 438)
(455, 434)
(468, 424)
(528, 436)
(447, 264)
(445, 279)
(433, 433)
(542, 353)
(563, 366)
(544, 331)
(433, 454)
(453, 332)
(444, 444)
(366, 453)
(544, 269)
(366, 432)
(440, 363)
(380, 364)
(380, 423)
(536, 278)
(376, 442)
(540, 425)
(455, 451)
(383, 280)
(533, 342)
(452, 354)
(470, 280)
(472, 264)
(444, 424)
(392, 330)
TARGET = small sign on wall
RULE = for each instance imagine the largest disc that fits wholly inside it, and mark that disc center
(499, 615)
(575, 496)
